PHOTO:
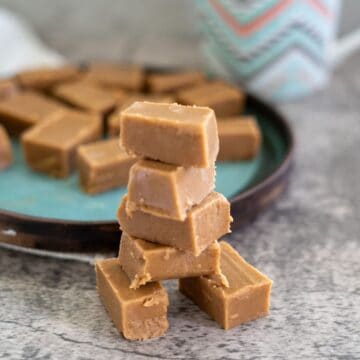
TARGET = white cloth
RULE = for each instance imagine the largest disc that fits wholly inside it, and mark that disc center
(20, 48)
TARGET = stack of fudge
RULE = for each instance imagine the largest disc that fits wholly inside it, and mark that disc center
(171, 220)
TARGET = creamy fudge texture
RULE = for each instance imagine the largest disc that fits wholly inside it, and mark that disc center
(144, 261)
(204, 224)
(168, 190)
(173, 81)
(50, 146)
(103, 165)
(138, 314)
(7, 88)
(171, 133)
(114, 118)
(239, 139)
(86, 97)
(6, 155)
(22, 110)
(129, 77)
(44, 78)
(246, 298)
(224, 99)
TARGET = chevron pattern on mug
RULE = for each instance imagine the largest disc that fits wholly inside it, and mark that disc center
(277, 48)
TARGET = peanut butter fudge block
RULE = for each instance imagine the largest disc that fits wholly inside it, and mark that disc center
(86, 97)
(174, 81)
(6, 155)
(7, 88)
(239, 139)
(144, 261)
(167, 190)
(171, 133)
(204, 224)
(22, 110)
(129, 77)
(46, 77)
(246, 298)
(103, 165)
(224, 99)
(114, 118)
(50, 146)
(138, 314)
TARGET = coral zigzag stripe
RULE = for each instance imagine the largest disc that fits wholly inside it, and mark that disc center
(252, 26)
(320, 7)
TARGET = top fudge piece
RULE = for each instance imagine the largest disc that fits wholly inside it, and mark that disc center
(171, 133)
(128, 77)
(22, 110)
(44, 78)
(169, 82)
(224, 99)
(86, 96)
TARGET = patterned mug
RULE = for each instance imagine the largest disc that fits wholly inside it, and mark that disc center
(279, 49)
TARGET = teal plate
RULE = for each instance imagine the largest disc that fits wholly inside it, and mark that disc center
(34, 205)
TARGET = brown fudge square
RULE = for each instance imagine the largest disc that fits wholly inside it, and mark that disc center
(246, 298)
(129, 77)
(144, 261)
(173, 81)
(46, 77)
(171, 133)
(103, 165)
(6, 155)
(50, 146)
(204, 224)
(138, 314)
(22, 110)
(86, 97)
(240, 139)
(224, 99)
(114, 118)
(167, 190)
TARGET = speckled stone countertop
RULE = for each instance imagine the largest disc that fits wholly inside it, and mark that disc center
(308, 243)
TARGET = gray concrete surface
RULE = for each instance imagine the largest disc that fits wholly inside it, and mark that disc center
(308, 242)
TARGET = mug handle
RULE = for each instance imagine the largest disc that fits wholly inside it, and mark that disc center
(344, 47)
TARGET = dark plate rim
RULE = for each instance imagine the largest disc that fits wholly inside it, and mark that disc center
(282, 168)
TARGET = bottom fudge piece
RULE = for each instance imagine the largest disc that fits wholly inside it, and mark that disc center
(6, 155)
(50, 146)
(240, 139)
(205, 223)
(144, 261)
(103, 165)
(138, 314)
(246, 298)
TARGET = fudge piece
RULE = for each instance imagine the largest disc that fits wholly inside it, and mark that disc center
(144, 261)
(173, 81)
(246, 298)
(86, 97)
(167, 190)
(239, 139)
(138, 314)
(103, 165)
(50, 146)
(129, 77)
(6, 155)
(7, 88)
(22, 110)
(114, 118)
(204, 224)
(46, 77)
(171, 133)
(224, 99)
